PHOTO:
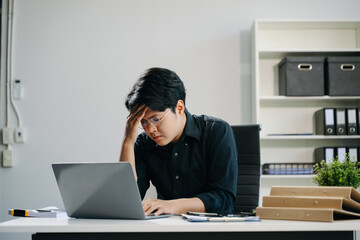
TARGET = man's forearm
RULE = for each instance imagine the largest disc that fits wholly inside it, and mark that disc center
(131, 132)
(184, 205)
(127, 155)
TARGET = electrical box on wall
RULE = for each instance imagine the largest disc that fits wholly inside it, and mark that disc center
(19, 135)
(7, 158)
(7, 137)
(17, 89)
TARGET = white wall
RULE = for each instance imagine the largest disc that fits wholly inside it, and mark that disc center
(78, 59)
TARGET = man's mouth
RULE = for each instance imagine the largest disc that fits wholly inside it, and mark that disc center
(156, 137)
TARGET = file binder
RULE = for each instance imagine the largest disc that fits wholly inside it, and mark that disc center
(358, 119)
(353, 154)
(351, 121)
(329, 154)
(340, 121)
(324, 153)
(341, 153)
(325, 121)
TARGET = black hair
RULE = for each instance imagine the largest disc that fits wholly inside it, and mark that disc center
(158, 89)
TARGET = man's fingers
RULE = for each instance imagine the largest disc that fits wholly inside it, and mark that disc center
(158, 212)
(156, 206)
(150, 210)
(150, 206)
(138, 110)
(137, 115)
(143, 112)
(146, 206)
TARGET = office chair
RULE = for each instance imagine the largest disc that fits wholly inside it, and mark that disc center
(247, 138)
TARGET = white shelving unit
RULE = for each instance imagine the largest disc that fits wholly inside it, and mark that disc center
(302, 176)
(312, 137)
(272, 41)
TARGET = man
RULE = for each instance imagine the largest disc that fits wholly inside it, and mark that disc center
(191, 160)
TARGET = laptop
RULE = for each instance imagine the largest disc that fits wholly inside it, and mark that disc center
(100, 190)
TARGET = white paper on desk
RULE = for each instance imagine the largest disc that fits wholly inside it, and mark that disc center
(52, 214)
(192, 218)
(48, 212)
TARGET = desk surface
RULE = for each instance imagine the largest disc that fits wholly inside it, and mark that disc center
(172, 224)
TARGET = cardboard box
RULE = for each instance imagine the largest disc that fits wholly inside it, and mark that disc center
(343, 76)
(310, 204)
(302, 76)
(305, 214)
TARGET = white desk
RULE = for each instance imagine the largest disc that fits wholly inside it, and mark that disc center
(177, 228)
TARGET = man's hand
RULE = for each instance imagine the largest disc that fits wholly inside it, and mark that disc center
(133, 121)
(159, 207)
(176, 206)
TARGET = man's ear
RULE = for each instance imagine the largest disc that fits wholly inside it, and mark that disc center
(180, 107)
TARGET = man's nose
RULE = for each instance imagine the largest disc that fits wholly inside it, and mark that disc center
(151, 128)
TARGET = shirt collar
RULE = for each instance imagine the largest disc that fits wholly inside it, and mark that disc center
(191, 128)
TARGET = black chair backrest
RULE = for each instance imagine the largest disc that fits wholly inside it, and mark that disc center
(247, 138)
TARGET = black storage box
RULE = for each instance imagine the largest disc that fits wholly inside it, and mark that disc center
(343, 76)
(302, 76)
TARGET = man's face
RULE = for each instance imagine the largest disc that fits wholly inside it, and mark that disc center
(162, 127)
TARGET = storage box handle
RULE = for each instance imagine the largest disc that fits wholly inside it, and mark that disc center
(304, 66)
(347, 67)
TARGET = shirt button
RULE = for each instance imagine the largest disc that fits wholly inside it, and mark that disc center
(175, 154)
(177, 177)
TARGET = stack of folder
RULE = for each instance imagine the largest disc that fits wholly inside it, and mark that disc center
(323, 204)
(287, 168)
(337, 121)
(328, 153)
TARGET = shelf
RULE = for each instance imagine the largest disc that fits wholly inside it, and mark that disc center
(307, 35)
(307, 23)
(280, 53)
(311, 137)
(287, 176)
(308, 98)
(310, 50)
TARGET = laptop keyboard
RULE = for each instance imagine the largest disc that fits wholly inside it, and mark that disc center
(152, 216)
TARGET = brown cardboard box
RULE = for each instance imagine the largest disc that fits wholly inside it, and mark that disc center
(305, 214)
(311, 204)
(345, 192)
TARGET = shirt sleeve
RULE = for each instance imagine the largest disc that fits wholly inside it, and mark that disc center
(142, 180)
(220, 194)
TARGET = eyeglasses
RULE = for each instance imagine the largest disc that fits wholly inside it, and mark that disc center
(156, 122)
